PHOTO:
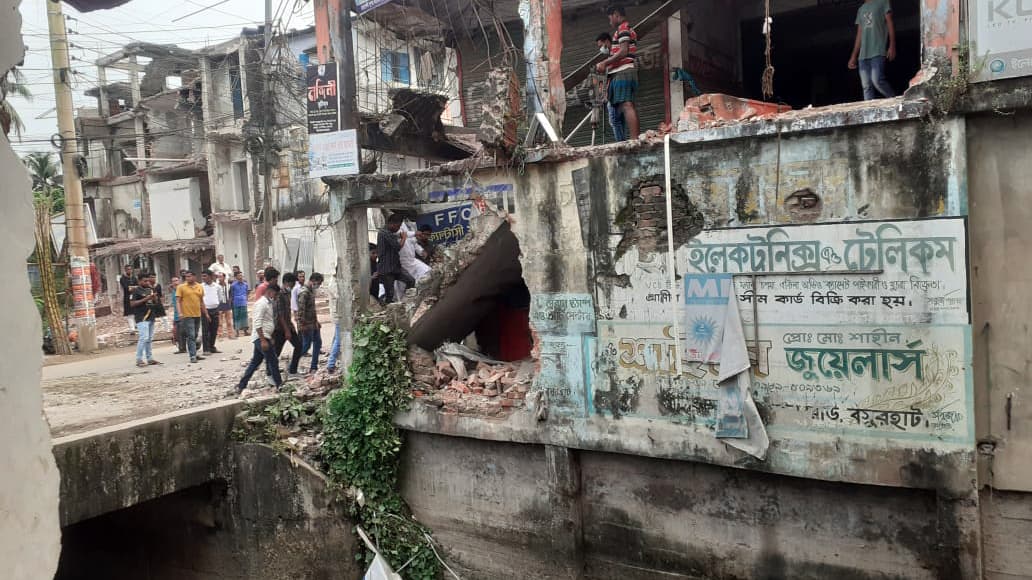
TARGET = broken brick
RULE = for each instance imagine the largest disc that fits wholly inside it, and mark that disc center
(490, 393)
(510, 402)
(652, 190)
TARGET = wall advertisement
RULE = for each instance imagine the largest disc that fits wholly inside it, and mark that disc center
(859, 330)
(1000, 33)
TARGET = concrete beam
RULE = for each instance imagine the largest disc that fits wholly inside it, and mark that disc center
(115, 467)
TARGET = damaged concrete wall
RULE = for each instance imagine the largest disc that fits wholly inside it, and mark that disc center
(869, 214)
(29, 528)
(127, 207)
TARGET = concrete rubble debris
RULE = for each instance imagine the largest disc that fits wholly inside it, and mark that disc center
(461, 384)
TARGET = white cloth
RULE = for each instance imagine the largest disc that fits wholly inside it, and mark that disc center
(738, 421)
(216, 268)
(415, 268)
(262, 317)
(211, 295)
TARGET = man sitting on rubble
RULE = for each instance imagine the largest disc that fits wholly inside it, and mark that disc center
(621, 69)
(388, 259)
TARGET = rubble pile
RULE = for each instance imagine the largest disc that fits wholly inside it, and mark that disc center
(458, 385)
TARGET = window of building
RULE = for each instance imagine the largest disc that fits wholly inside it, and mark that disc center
(395, 67)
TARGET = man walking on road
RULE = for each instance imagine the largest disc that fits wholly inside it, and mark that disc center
(263, 322)
(285, 331)
(143, 302)
(210, 330)
(308, 319)
(190, 300)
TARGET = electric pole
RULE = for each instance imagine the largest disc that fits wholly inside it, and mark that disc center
(268, 116)
(78, 251)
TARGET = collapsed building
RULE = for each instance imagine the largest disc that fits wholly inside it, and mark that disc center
(847, 245)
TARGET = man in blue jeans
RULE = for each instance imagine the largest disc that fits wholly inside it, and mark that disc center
(875, 43)
(142, 303)
(263, 322)
(308, 320)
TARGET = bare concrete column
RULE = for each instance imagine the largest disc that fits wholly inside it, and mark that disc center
(30, 533)
(348, 232)
(564, 482)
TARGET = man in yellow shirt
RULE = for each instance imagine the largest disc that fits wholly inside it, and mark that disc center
(190, 299)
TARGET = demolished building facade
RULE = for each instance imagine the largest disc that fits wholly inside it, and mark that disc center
(856, 244)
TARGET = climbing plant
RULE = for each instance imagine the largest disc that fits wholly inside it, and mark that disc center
(361, 447)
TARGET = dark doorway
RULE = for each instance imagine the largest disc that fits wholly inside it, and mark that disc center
(811, 47)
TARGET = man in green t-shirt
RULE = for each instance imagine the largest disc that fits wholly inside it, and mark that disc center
(875, 43)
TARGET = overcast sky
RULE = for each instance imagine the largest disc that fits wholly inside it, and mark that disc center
(104, 31)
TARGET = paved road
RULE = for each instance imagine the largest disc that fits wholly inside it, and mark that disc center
(107, 389)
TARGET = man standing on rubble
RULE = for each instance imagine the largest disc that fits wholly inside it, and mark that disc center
(263, 322)
(875, 43)
(621, 69)
(388, 260)
(308, 319)
(285, 331)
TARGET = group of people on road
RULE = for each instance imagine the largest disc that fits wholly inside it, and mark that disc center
(217, 306)
(285, 311)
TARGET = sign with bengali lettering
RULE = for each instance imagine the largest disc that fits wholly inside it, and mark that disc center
(323, 98)
(333, 154)
(447, 225)
(564, 323)
(853, 329)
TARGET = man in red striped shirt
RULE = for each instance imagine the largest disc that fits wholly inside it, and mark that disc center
(621, 69)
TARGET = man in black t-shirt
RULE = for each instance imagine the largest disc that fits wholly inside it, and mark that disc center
(144, 303)
(128, 282)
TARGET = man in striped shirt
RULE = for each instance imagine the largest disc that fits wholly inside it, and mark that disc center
(621, 69)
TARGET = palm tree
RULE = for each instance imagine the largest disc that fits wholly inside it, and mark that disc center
(12, 83)
(46, 179)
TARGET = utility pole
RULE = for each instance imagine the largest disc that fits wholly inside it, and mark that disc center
(78, 252)
(268, 138)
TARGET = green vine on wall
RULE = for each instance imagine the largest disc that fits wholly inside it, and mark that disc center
(361, 447)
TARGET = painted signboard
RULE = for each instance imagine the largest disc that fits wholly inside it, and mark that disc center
(450, 210)
(853, 329)
(333, 154)
(323, 99)
(1000, 34)
(564, 324)
(448, 225)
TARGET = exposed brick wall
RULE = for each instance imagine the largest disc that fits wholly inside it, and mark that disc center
(643, 219)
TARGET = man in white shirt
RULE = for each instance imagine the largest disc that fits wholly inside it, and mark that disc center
(295, 291)
(210, 326)
(263, 321)
(220, 267)
(415, 268)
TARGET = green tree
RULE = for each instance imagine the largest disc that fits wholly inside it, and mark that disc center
(12, 83)
(46, 179)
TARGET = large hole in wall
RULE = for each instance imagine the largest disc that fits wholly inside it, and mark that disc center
(487, 307)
